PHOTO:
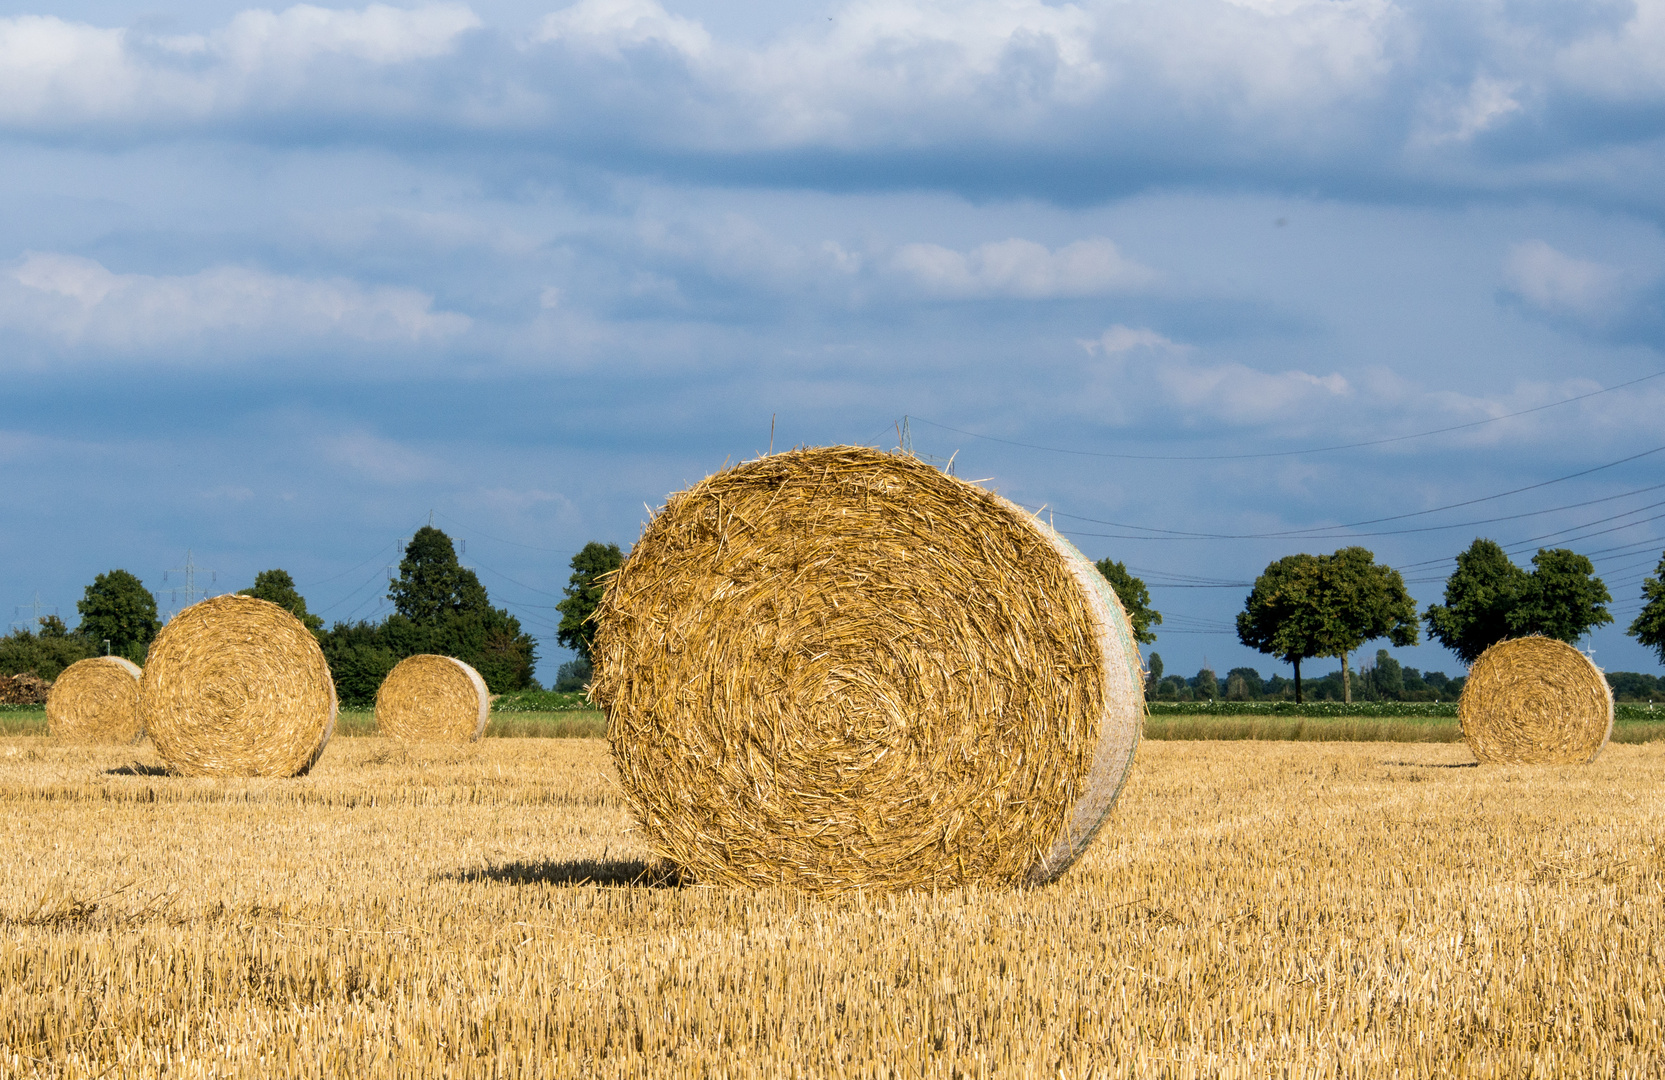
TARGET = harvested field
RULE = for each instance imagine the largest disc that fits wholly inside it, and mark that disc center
(1262, 909)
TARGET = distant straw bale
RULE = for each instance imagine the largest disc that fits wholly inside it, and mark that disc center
(236, 686)
(835, 669)
(1535, 701)
(430, 698)
(96, 701)
(25, 689)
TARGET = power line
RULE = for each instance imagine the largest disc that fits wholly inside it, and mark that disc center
(1293, 453)
(1328, 532)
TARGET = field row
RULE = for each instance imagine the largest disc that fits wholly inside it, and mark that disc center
(1278, 727)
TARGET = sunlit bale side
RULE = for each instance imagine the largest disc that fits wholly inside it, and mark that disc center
(430, 698)
(837, 669)
(236, 686)
(1535, 701)
(96, 701)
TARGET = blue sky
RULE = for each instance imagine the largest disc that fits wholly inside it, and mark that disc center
(275, 283)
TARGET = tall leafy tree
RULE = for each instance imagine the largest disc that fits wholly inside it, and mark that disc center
(1563, 598)
(1155, 678)
(278, 587)
(590, 568)
(1135, 598)
(1480, 595)
(1361, 600)
(440, 607)
(1326, 605)
(119, 609)
(1281, 616)
(1488, 598)
(1649, 627)
(431, 583)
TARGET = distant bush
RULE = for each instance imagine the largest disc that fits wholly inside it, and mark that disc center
(541, 701)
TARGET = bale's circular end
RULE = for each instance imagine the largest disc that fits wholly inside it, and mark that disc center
(96, 701)
(431, 698)
(1535, 701)
(835, 669)
(236, 686)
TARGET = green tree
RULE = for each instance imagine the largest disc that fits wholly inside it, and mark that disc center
(279, 588)
(431, 583)
(1326, 605)
(1135, 598)
(1387, 678)
(117, 608)
(1154, 679)
(441, 608)
(590, 569)
(1206, 685)
(1253, 685)
(1281, 617)
(1361, 600)
(359, 660)
(1562, 599)
(573, 675)
(1649, 627)
(1479, 597)
(46, 653)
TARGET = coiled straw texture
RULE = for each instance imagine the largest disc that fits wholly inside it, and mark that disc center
(1535, 701)
(837, 669)
(236, 686)
(429, 698)
(96, 701)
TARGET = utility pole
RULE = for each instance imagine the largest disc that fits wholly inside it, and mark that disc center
(33, 624)
(190, 570)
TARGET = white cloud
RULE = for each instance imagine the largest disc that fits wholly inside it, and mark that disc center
(1487, 104)
(1142, 369)
(1022, 268)
(1623, 61)
(1243, 394)
(53, 71)
(1120, 339)
(607, 26)
(77, 301)
(1560, 283)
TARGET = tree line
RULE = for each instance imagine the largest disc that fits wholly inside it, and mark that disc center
(439, 606)
(1305, 606)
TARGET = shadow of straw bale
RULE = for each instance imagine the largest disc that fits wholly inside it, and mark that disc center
(1434, 765)
(139, 770)
(603, 873)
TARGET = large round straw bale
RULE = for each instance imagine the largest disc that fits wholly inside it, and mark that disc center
(834, 669)
(430, 698)
(1535, 701)
(236, 686)
(96, 701)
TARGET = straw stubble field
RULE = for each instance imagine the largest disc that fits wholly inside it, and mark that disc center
(1253, 908)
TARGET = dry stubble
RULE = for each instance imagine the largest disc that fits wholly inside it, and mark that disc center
(1269, 909)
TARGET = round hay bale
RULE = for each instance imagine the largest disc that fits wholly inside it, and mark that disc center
(1535, 701)
(236, 686)
(96, 701)
(431, 698)
(836, 669)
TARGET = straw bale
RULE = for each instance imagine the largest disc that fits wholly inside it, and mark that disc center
(236, 686)
(96, 701)
(837, 669)
(25, 689)
(1535, 701)
(429, 698)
